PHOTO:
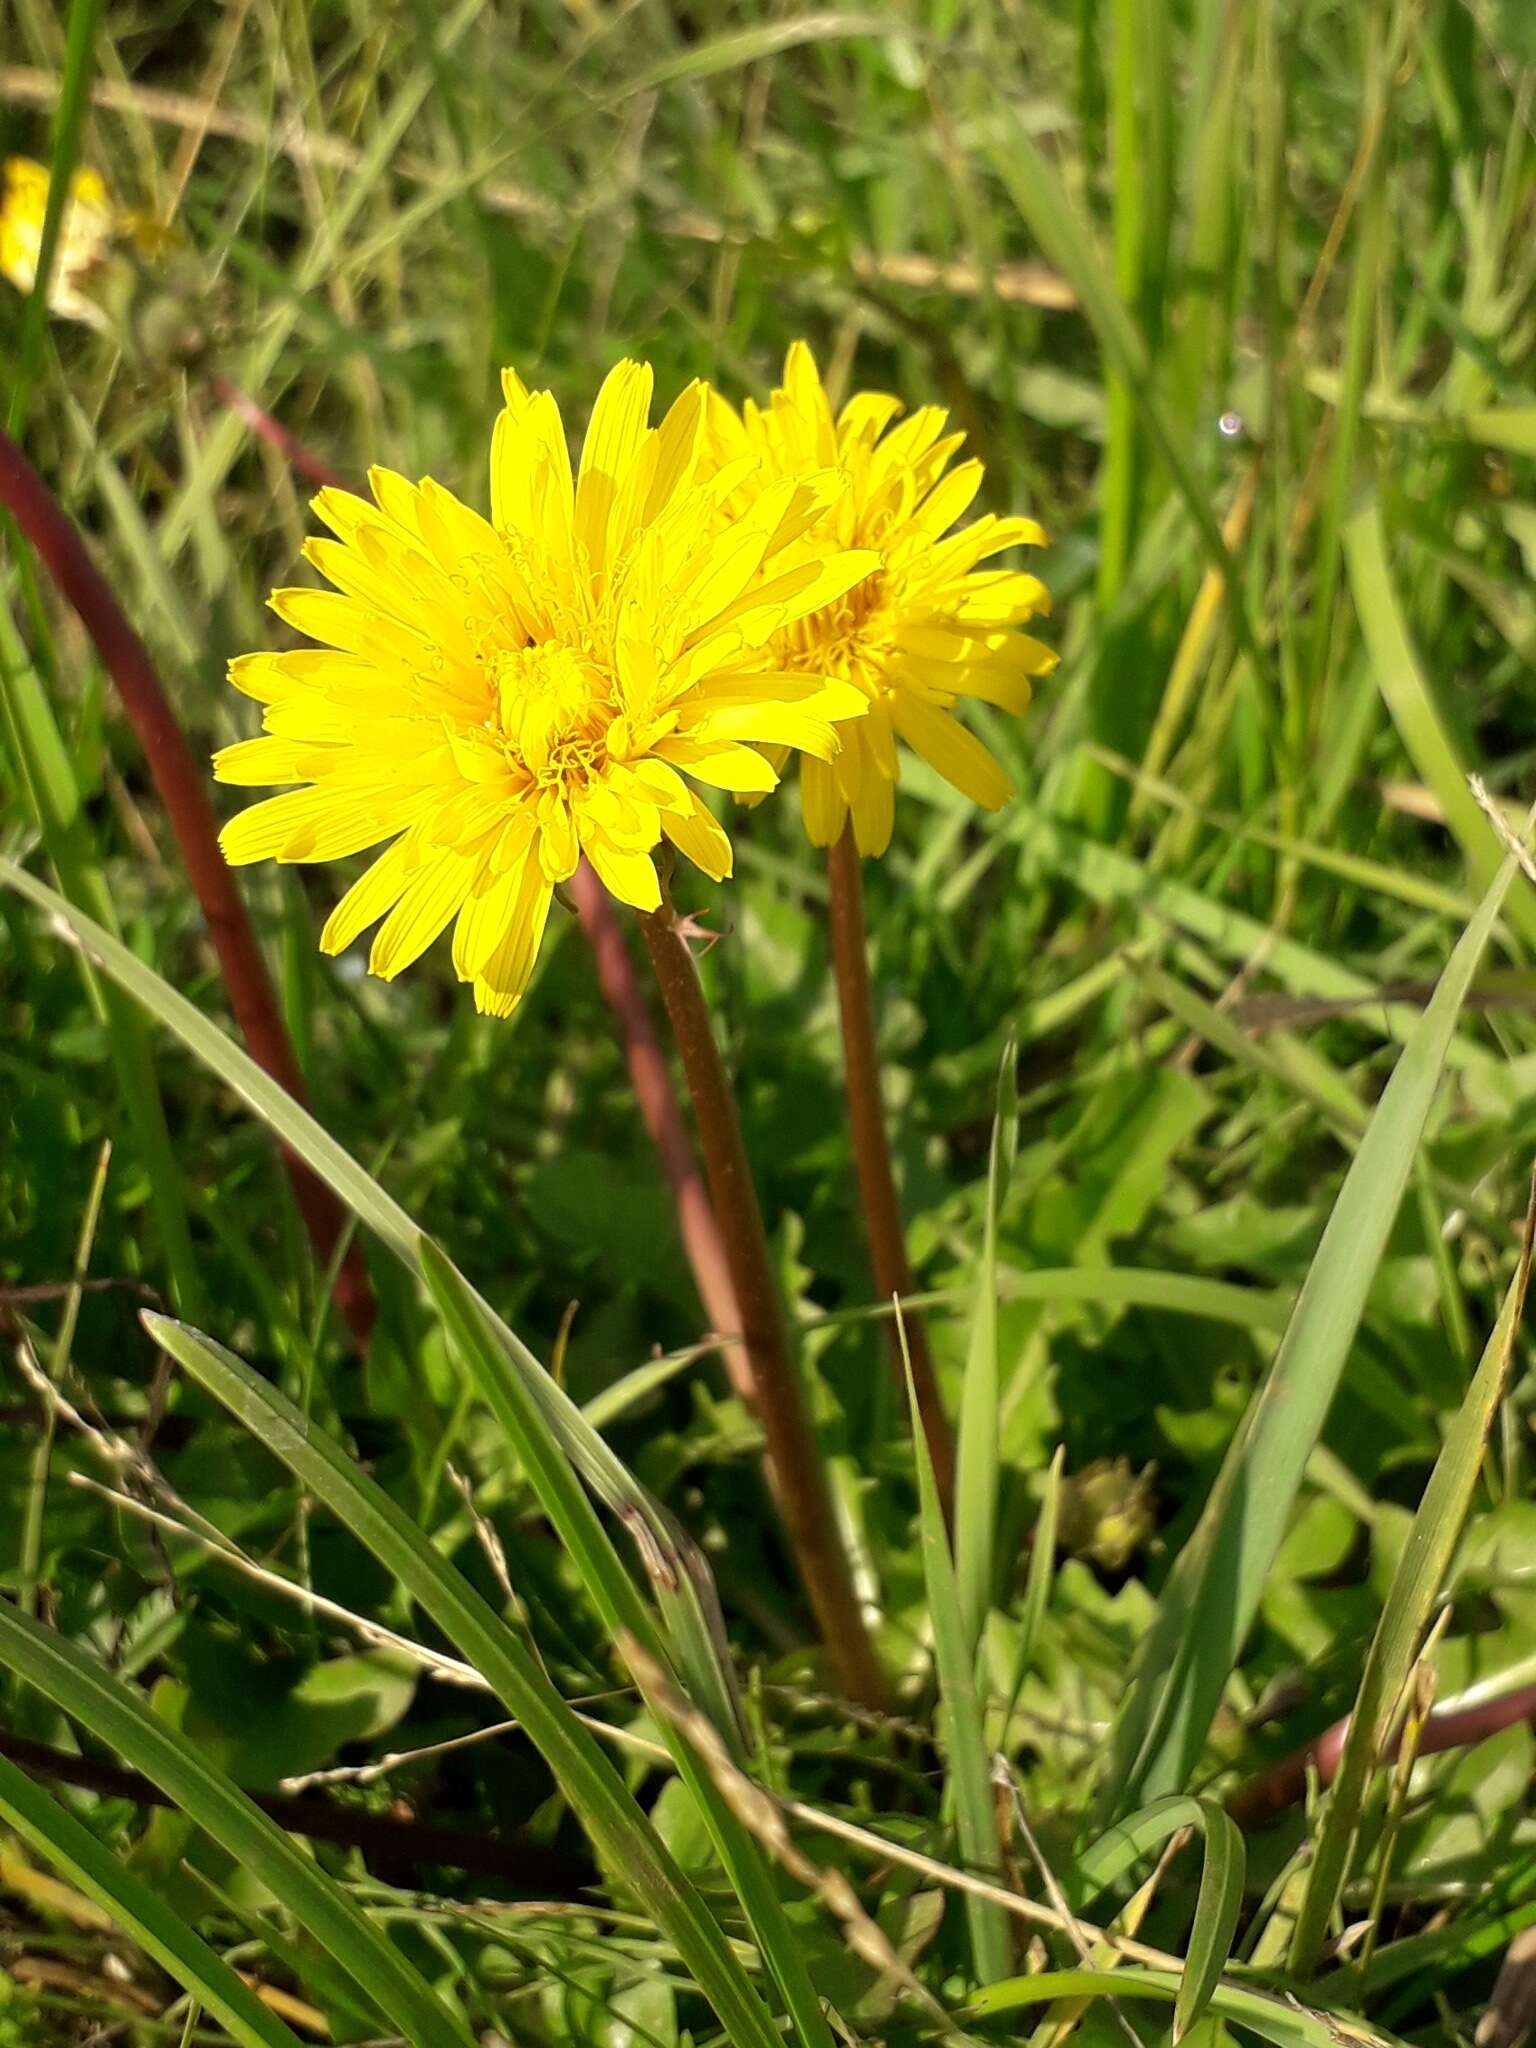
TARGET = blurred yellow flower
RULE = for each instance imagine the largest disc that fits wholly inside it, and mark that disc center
(928, 627)
(89, 227)
(498, 697)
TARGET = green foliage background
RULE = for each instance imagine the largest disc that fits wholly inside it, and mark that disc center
(1162, 261)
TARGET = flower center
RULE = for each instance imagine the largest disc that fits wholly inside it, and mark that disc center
(844, 639)
(554, 706)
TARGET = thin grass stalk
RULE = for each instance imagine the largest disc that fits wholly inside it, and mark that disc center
(883, 1227)
(297, 454)
(662, 1116)
(794, 1458)
(182, 790)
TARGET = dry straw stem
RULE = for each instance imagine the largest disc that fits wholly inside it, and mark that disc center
(1019, 284)
(907, 1336)
(182, 789)
(794, 1457)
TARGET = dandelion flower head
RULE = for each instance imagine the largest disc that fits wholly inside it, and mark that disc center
(928, 627)
(497, 697)
(87, 231)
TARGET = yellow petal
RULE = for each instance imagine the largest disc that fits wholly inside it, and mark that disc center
(679, 440)
(615, 434)
(629, 876)
(866, 416)
(821, 803)
(786, 725)
(873, 808)
(948, 500)
(430, 900)
(501, 983)
(720, 764)
(354, 628)
(558, 850)
(303, 825)
(699, 838)
(945, 745)
(795, 593)
(376, 890)
(486, 912)
(255, 763)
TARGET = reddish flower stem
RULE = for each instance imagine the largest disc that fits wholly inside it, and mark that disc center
(794, 1457)
(313, 468)
(663, 1119)
(1284, 1784)
(883, 1229)
(179, 779)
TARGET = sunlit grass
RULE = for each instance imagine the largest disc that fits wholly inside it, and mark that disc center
(1236, 302)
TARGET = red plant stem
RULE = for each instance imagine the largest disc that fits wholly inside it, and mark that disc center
(513, 1857)
(261, 423)
(663, 1119)
(872, 1154)
(1285, 1783)
(794, 1457)
(179, 779)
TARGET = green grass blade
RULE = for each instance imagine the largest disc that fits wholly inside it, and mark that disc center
(1068, 240)
(549, 1473)
(1212, 1594)
(1405, 688)
(976, 1455)
(48, 786)
(57, 1836)
(74, 97)
(583, 1772)
(1218, 1904)
(203, 1038)
(1370, 253)
(1412, 1594)
(79, 1687)
(970, 1772)
(687, 1591)
(1037, 1586)
(1273, 2018)
(741, 47)
(553, 1479)
(1108, 876)
(522, 1403)
(1185, 1294)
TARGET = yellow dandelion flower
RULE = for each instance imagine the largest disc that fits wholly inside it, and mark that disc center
(88, 229)
(497, 697)
(928, 627)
